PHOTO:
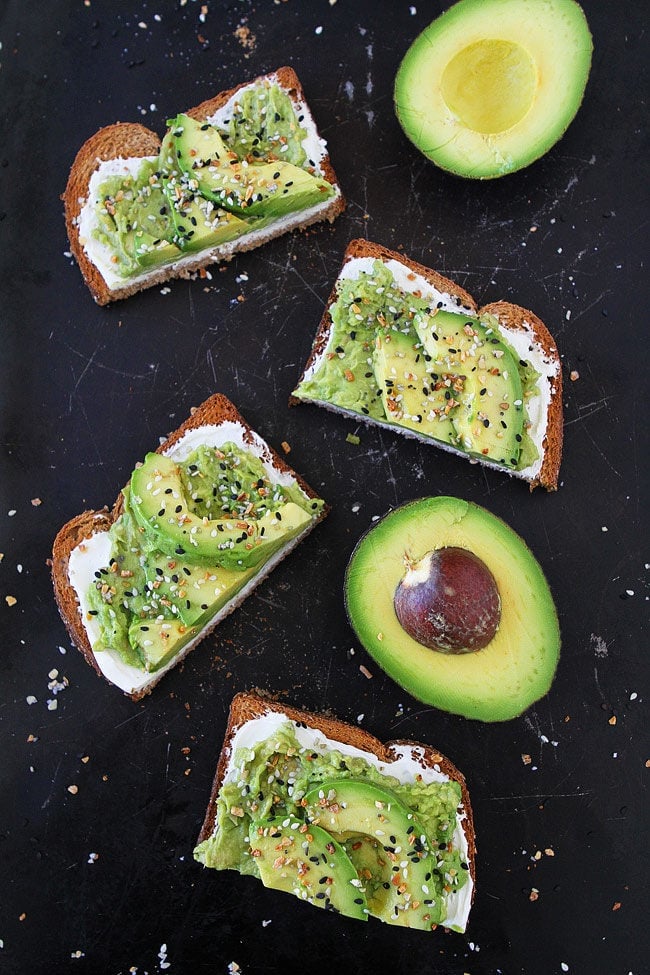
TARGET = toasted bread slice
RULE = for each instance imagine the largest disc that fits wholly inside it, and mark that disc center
(217, 412)
(124, 141)
(522, 330)
(402, 758)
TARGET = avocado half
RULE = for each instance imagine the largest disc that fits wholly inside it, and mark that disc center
(494, 684)
(491, 85)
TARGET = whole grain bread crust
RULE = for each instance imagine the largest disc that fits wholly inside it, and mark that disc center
(215, 410)
(248, 705)
(510, 316)
(130, 140)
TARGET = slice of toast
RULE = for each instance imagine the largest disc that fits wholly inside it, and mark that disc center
(520, 328)
(428, 762)
(217, 411)
(123, 141)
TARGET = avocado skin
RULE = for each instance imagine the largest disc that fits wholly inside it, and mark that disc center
(494, 684)
(555, 32)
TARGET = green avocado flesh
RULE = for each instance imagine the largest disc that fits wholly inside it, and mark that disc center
(210, 184)
(333, 830)
(491, 85)
(493, 684)
(192, 534)
(396, 358)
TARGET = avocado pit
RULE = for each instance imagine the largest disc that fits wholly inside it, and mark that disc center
(448, 601)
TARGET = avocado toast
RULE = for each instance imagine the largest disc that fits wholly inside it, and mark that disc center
(343, 821)
(230, 174)
(201, 523)
(401, 346)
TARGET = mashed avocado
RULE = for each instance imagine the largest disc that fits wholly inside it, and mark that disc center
(147, 603)
(271, 779)
(373, 306)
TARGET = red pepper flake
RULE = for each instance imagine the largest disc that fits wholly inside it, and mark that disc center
(36, 502)
(286, 447)
(349, 375)
(617, 906)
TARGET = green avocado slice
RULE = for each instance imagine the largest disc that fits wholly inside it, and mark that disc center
(493, 684)
(412, 397)
(158, 502)
(469, 357)
(386, 840)
(308, 862)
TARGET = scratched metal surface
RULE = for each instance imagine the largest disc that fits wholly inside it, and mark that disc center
(102, 881)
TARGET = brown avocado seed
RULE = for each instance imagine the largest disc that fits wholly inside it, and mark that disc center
(449, 601)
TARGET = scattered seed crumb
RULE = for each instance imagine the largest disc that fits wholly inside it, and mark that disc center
(104, 778)
(77, 954)
(614, 754)
(36, 502)
(2, 555)
(612, 720)
(564, 966)
(265, 924)
(604, 528)
(31, 738)
(633, 696)
(19, 568)
(62, 650)
(526, 759)
(365, 671)
(616, 906)
(537, 855)
(52, 704)
(549, 851)
(31, 699)
(11, 600)
(246, 38)
(534, 894)
(73, 789)
(85, 759)
(93, 857)
(165, 291)
(319, 30)
(23, 916)
(53, 674)
(380, 636)
(360, 718)
(11, 513)
(233, 968)
(353, 439)
(188, 771)
(647, 764)
(573, 375)
(162, 955)
(286, 447)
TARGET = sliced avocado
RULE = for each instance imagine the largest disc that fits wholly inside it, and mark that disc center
(308, 862)
(491, 85)
(493, 684)
(198, 144)
(198, 222)
(411, 396)
(193, 593)
(467, 355)
(394, 849)
(157, 641)
(160, 506)
(269, 189)
(251, 188)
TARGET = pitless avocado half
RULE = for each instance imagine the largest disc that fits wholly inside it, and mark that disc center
(452, 604)
(491, 85)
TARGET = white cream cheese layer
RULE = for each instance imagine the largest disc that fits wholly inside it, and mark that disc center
(101, 255)
(94, 553)
(407, 766)
(521, 341)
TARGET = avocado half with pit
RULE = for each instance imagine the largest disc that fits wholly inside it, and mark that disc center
(491, 85)
(453, 605)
